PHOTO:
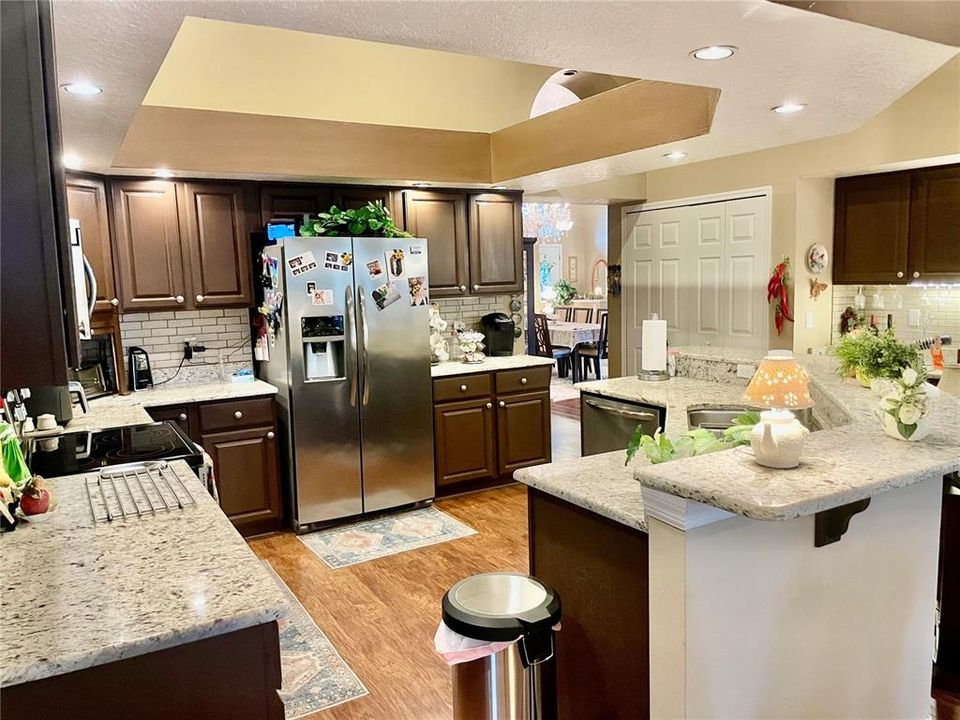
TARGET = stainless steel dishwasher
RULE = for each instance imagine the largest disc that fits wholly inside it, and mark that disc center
(607, 424)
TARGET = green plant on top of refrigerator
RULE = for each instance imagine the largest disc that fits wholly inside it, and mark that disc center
(371, 220)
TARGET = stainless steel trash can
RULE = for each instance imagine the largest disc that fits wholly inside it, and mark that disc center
(499, 607)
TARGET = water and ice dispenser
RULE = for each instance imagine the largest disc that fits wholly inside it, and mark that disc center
(323, 347)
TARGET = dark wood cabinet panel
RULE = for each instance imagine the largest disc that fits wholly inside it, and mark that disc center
(215, 227)
(248, 477)
(148, 252)
(440, 217)
(293, 200)
(465, 441)
(523, 431)
(935, 224)
(87, 202)
(496, 244)
(182, 415)
(350, 197)
(871, 228)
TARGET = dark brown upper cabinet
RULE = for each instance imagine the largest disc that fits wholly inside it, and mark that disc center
(351, 197)
(441, 218)
(897, 227)
(215, 227)
(277, 201)
(935, 224)
(87, 202)
(871, 227)
(148, 252)
(495, 244)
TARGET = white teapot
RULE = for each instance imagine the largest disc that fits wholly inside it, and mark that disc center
(777, 440)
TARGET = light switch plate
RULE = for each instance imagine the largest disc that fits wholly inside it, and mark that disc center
(745, 371)
(913, 318)
(809, 319)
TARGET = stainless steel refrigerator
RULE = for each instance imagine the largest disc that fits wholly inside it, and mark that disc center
(352, 362)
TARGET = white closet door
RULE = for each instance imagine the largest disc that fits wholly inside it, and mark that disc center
(748, 240)
(706, 273)
(637, 281)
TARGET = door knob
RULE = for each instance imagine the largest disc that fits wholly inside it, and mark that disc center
(115, 302)
(179, 298)
(900, 274)
(182, 417)
(489, 405)
(270, 435)
(523, 381)
(238, 414)
(463, 388)
(199, 298)
(463, 288)
(916, 274)
(476, 287)
(502, 404)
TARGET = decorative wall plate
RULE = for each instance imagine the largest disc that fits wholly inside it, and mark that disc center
(817, 258)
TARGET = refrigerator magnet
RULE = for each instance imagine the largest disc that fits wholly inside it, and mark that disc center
(385, 295)
(418, 291)
(311, 288)
(416, 250)
(331, 257)
(395, 262)
(375, 269)
(302, 263)
(323, 297)
(346, 260)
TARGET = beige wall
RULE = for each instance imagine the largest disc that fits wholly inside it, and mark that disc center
(614, 250)
(923, 124)
(586, 241)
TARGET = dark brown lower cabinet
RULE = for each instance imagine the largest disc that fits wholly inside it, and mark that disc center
(180, 414)
(482, 439)
(234, 676)
(600, 569)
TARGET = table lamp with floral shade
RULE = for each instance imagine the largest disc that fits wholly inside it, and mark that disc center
(781, 384)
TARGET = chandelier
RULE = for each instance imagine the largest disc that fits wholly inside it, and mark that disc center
(546, 221)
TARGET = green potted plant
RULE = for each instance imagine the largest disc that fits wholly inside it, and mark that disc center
(565, 292)
(866, 355)
(371, 220)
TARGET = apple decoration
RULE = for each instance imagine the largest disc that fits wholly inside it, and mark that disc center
(36, 498)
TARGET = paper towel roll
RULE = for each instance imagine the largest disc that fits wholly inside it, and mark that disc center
(654, 347)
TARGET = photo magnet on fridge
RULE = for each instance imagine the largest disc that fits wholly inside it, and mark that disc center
(416, 250)
(323, 297)
(395, 262)
(311, 288)
(331, 257)
(385, 295)
(303, 263)
(375, 269)
(346, 259)
(418, 291)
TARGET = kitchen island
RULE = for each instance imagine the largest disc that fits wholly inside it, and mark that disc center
(164, 615)
(760, 605)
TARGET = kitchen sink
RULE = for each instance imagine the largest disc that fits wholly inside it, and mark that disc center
(719, 417)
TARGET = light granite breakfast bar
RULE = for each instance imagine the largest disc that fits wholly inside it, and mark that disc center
(770, 591)
(88, 603)
(489, 364)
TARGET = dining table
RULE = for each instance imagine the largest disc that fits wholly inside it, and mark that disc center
(570, 334)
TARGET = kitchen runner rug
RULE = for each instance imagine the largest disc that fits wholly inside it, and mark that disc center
(315, 677)
(386, 535)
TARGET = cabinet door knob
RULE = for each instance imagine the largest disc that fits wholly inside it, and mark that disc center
(502, 403)
(179, 298)
(182, 417)
(916, 274)
(270, 435)
(476, 287)
(523, 381)
(489, 405)
(199, 298)
(238, 414)
(463, 288)
(463, 388)
(900, 273)
(115, 302)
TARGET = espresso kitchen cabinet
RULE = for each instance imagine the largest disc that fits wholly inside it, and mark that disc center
(487, 425)
(87, 202)
(496, 241)
(935, 223)
(441, 218)
(351, 197)
(182, 415)
(291, 201)
(215, 228)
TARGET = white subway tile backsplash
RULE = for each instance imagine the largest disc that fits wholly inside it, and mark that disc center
(151, 324)
(164, 315)
(936, 308)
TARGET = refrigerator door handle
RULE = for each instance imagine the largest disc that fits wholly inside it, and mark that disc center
(362, 312)
(350, 349)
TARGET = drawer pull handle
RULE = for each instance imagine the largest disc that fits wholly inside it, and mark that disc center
(463, 288)
(115, 302)
(624, 413)
(489, 405)
(238, 414)
(182, 417)
(179, 298)
(463, 388)
(270, 435)
(916, 273)
(502, 404)
(476, 287)
(199, 298)
(900, 273)
(523, 381)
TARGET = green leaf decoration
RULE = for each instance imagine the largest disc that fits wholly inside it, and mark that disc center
(906, 430)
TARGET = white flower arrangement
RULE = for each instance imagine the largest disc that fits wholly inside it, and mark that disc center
(905, 403)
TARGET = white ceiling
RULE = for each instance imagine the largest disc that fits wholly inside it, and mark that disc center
(844, 71)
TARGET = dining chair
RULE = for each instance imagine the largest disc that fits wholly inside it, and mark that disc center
(581, 315)
(564, 312)
(585, 353)
(545, 348)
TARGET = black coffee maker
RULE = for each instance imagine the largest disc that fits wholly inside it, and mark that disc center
(138, 365)
(497, 334)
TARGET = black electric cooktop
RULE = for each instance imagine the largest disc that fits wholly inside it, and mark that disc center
(79, 452)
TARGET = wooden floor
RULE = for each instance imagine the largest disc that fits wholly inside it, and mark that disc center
(381, 615)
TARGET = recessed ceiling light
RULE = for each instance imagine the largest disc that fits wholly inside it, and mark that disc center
(499, 187)
(81, 88)
(163, 173)
(675, 155)
(421, 184)
(72, 161)
(714, 52)
(789, 108)
(569, 72)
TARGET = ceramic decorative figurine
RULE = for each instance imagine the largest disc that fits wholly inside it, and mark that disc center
(905, 404)
(471, 346)
(777, 440)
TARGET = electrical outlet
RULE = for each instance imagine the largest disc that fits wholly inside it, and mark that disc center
(913, 318)
(808, 319)
(745, 371)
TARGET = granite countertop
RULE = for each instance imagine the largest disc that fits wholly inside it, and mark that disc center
(120, 410)
(78, 594)
(490, 364)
